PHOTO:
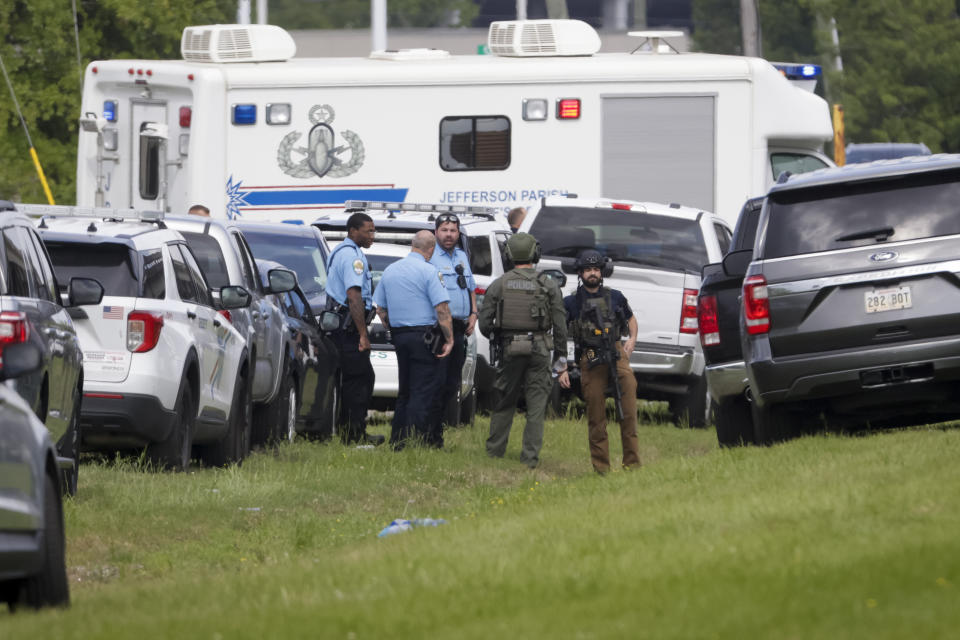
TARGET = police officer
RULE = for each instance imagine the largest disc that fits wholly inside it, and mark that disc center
(590, 307)
(454, 267)
(410, 299)
(522, 314)
(349, 294)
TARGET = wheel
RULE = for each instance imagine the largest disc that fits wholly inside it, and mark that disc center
(774, 423)
(235, 444)
(174, 452)
(69, 447)
(734, 422)
(468, 408)
(693, 406)
(556, 406)
(287, 422)
(49, 587)
(451, 411)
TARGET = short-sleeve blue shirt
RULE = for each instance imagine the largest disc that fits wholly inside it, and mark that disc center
(447, 262)
(410, 289)
(346, 268)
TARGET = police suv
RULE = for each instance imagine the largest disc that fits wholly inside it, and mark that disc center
(163, 368)
(658, 251)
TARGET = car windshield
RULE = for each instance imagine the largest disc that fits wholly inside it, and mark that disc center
(108, 263)
(300, 254)
(644, 239)
(209, 257)
(852, 215)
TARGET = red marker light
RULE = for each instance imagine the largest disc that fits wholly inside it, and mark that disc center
(189, 76)
(568, 108)
(185, 116)
(94, 69)
(622, 207)
(149, 72)
(130, 70)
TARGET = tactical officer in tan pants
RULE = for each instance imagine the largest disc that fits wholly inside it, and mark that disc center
(595, 310)
(523, 316)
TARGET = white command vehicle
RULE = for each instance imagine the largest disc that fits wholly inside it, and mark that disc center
(162, 367)
(657, 252)
(242, 126)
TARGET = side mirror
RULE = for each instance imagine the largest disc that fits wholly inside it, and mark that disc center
(557, 276)
(20, 358)
(281, 280)
(329, 320)
(736, 263)
(234, 297)
(83, 291)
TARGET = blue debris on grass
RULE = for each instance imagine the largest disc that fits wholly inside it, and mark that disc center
(399, 526)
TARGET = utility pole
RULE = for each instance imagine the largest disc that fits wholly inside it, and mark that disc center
(750, 28)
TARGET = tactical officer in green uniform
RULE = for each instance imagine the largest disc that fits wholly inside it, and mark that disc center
(523, 316)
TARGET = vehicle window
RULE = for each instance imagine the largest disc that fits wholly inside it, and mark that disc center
(296, 306)
(748, 234)
(18, 282)
(46, 283)
(841, 216)
(154, 280)
(246, 262)
(474, 143)
(181, 273)
(203, 290)
(106, 262)
(209, 258)
(300, 254)
(645, 239)
(377, 264)
(481, 262)
(723, 237)
(794, 163)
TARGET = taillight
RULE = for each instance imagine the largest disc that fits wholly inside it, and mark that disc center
(14, 327)
(226, 314)
(688, 313)
(143, 331)
(568, 108)
(756, 304)
(707, 318)
(479, 291)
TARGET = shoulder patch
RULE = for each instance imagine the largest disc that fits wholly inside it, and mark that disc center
(358, 266)
(440, 276)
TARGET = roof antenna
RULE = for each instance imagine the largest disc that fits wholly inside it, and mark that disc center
(92, 228)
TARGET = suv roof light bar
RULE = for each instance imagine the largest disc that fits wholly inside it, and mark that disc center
(103, 213)
(371, 205)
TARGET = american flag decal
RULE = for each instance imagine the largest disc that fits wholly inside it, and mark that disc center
(111, 312)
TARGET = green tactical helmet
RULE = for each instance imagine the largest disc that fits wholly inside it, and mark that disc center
(523, 248)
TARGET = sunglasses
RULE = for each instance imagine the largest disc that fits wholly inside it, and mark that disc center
(448, 217)
(461, 279)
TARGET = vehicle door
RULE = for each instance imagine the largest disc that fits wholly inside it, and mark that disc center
(267, 319)
(310, 356)
(20, 293)
(57, 329)
(146, 175)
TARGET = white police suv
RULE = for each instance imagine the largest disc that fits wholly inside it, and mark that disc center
(163, 368)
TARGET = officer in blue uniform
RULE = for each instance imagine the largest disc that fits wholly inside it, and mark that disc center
(349, 295)
(411, 299)
(454, 266)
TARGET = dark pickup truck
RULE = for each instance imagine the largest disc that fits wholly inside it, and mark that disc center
(719, 320)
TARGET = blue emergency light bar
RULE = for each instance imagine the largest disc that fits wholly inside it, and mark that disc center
(799, 71)
(110, 110)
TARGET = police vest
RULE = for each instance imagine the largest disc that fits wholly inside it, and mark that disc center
(525, 306)
(596, 318)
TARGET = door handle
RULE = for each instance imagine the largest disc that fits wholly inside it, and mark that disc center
(191, 315)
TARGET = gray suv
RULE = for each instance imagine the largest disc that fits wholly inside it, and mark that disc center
(851, 304)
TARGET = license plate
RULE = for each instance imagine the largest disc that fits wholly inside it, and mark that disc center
(891, 299)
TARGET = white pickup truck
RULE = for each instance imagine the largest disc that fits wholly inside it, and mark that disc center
(658, 251)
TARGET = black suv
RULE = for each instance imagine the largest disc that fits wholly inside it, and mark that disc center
(851, 305)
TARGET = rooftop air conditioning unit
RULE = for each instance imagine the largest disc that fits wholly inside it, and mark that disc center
(236, 43)
(530, 38)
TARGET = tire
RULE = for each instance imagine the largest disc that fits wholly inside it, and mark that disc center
(452, 410)
(49, 588)
(468, 408)
(734, 421)
(774, 423)
(235, 444)
(286, 424)
(174, 452)
(693, 406)
(69, 447)
(556, 407)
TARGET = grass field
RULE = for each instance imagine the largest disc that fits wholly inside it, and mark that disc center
(826, 537)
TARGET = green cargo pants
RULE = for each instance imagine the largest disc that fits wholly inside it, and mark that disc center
(531, 373)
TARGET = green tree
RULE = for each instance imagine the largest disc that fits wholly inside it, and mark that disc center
(40, 54)
(353, 14)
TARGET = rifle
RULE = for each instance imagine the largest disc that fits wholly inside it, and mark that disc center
(496, 349)
(610, 353)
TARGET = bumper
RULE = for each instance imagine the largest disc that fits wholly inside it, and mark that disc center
(727, 379)
(878, 371)
(387, 382)
(669, 360)
(129, 421)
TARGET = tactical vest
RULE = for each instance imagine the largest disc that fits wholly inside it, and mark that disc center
(524, 306)
(586, 329)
